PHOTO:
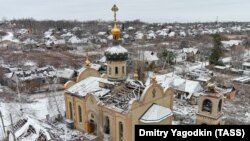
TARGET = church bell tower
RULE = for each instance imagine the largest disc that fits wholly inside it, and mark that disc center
(116, 55)
(210, 107)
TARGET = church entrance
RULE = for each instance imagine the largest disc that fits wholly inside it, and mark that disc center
(92, 125)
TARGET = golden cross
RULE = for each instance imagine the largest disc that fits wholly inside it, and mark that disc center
(115, 9)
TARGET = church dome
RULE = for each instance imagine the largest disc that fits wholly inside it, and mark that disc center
(116, 32)
(116, 53)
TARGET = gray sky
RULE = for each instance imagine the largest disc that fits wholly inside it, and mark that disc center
(145, 10)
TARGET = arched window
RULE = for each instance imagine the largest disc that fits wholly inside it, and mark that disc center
(219, 106)
(120, 131)
(207, 105)
(79, 113)
(116, 70)
(106, 125)
(70, 111)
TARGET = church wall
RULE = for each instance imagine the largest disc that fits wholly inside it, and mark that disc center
(139, 108)
(115, 118)
(80, 102)
(200, 119)
(119, 64)
(93, 113)
(75, 103)
(68, 99)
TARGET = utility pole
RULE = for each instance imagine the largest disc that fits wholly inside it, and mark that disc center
(1, 116)
(13, 131)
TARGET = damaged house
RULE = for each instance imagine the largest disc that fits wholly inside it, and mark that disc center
(184, 88)
(31, 80)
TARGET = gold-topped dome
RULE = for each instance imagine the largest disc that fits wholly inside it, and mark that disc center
(153, 78)
(87, 61)
(116, 32)
(136, 76)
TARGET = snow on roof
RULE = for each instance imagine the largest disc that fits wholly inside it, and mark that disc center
(96, 66)
(139, 35)
(116, 50)
(156, 113)
(101, 33)
(182, 33)
(10, 37)
(65, 73)
(177, 83)
(231, 43)
(29, 41)
(22, 31)
(30, 63)
(242, 79)
(88, 85)
(131, 28)
(246, 64)
(48, 33)
(171, 34)
(220, 67)
(103, 59)
(226, 59)
(149, 56)
(68, 34)
(189, 50)
(43, 72)
(75, 40)
(120, 100)
(9, 75)
(59, 42)
(110, 37)
(151, 35)
(204, 79)
(93, 66)
(163, 32)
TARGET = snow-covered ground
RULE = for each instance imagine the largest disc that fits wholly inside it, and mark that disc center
(190, 66)
(235, 111)
(184, 113)
(10, 37)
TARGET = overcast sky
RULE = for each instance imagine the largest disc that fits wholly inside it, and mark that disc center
(145, 10)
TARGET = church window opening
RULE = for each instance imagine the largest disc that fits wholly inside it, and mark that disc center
(220, 105)
(70, 111)
(120, 131)
(107, 126)
(116, 70)
(80, 113)
(207, 105)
